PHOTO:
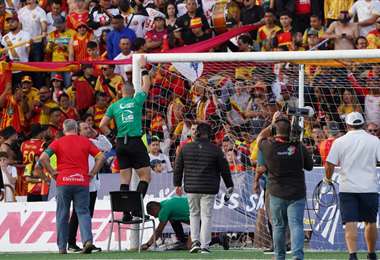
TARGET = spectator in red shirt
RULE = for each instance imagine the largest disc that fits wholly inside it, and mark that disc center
(72, 177)
(325, 146)
(155, 39)
(78, 16)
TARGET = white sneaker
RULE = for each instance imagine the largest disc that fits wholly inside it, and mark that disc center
(195, 247)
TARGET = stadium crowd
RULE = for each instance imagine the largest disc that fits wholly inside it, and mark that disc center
(238, 100)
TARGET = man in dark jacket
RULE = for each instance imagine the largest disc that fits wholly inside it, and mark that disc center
(201, 164)
(285, 162)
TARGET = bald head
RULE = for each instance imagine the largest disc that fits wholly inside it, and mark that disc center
(128, 90)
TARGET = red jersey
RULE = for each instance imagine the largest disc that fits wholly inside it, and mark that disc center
(72, 159)
(156, 36)
(74, 18)
(80, 46)
(70, 113)
(303, 7)
(30, 149)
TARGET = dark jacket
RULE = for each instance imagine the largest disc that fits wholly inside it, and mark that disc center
(285, 163)
(201, 164)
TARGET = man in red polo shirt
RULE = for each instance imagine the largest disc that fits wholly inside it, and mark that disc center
(72, 179)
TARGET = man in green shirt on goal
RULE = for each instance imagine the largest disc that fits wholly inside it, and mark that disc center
(130, 149)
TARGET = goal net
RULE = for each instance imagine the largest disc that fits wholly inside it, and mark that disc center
(237, 94)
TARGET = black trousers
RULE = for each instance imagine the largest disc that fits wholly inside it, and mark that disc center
(178, 229)
(73, 224)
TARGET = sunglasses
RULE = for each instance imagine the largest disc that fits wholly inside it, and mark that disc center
(372, 130)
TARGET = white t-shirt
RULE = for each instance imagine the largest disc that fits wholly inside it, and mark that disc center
(365, 10)
(165, 162)
(357, 153)
(372, 109)
(21, 51)
(13, 172)
(137, 24)
(31, 20)
(103, 145)
(121, 69)
(102, 16)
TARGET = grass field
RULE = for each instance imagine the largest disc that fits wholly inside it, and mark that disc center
(216, 254)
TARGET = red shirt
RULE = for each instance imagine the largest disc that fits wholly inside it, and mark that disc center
(74, 18)
(156, 36)
(303, 7)
(30, 149)
(72, 159)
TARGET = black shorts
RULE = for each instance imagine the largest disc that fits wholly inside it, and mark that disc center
(132, 154)
(358, 207)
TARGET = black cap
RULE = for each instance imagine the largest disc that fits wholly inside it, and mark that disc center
(58, 20)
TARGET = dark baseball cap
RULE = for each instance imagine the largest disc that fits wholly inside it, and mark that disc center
(333, 128)
(59, 20)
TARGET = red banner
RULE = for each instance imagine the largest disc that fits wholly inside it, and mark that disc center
(203, 46)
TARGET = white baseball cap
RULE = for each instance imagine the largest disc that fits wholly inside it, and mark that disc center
(354, 118)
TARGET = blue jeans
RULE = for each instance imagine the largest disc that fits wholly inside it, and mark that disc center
(286, 212)
(81, 199)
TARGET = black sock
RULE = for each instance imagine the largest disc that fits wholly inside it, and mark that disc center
(124, 187)
(372, 255)
(142, 187)
(353, 256)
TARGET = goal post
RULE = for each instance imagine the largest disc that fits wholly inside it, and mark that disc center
(332, 82)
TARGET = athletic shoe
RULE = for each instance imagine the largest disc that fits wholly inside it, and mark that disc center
(205, 251)
(372, 256)
(195, 247)
(225, 242)
(62, 251)
(269, 251)
(87, 248)
(74, 248)
(96, 249)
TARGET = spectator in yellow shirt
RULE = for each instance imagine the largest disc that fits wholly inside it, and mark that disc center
(315, 25)
(373, 37)
(58, 41)
(334, 7)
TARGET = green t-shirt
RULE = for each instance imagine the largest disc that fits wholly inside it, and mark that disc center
(175, 208)
(127, 113)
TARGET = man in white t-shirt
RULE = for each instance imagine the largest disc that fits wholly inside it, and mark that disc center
(357, 153)
(34, 21)
(16, 36)
(124, 70)
(159, 162)
(13, 37)
(367, 12)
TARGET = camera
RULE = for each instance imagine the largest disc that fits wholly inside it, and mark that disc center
(344, 35)
(300, 112)
(295, 129)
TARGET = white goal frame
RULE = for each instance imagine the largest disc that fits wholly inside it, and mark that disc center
(280, 56)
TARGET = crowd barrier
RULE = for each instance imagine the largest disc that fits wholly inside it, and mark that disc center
(31, 226)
